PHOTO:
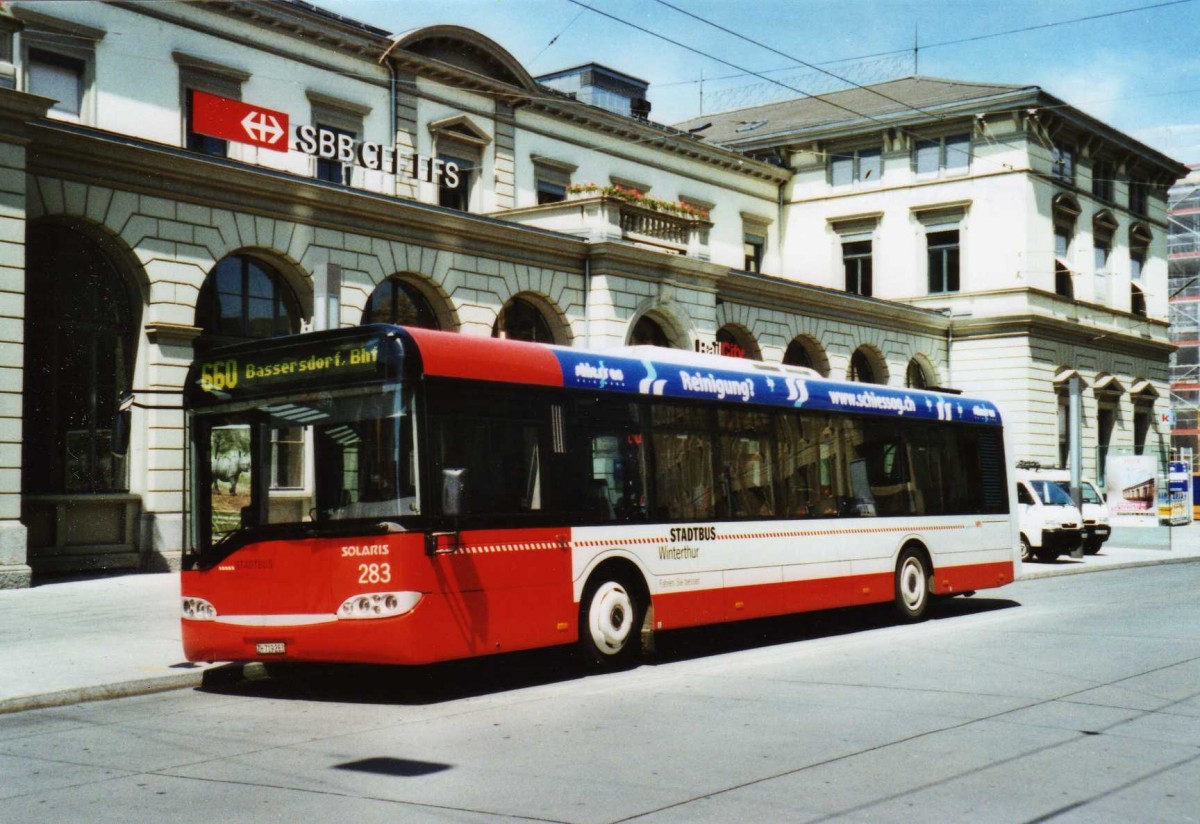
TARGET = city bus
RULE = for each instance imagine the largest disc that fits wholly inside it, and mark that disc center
(399, 495)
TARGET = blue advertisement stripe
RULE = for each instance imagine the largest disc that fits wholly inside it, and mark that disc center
(591, 370)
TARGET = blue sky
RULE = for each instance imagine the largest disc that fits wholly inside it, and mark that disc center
(1139, 71)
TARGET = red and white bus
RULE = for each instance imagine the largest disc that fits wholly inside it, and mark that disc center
(395, 495)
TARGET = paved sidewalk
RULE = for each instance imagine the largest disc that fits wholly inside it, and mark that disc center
(72, 641)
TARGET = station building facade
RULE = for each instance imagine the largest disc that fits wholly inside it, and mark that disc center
(428, 179)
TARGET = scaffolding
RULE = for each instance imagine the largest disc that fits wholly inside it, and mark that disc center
(1183, 262)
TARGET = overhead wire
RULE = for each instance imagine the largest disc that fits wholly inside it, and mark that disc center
(804, 63)
(959, 41)
(717, 59)
(825, 98)
(668, 132)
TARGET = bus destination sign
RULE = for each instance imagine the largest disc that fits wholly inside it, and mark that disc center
(226, 377)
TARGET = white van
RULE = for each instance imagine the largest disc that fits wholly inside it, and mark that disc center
(1096, 525)
(1050, 523)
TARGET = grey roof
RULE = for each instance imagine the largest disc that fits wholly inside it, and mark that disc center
(850, 108)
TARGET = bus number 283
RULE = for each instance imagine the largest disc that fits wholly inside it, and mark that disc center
(374, 573)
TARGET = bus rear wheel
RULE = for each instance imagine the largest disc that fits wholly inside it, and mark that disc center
(912, 584)
(610, 622)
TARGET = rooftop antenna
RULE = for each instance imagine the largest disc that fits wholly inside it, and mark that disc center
(917, 48)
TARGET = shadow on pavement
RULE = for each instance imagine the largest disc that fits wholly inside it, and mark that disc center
(454, 680)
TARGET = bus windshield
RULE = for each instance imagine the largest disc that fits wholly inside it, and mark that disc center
(316, 460)
(1087, 492)
(1051, 493)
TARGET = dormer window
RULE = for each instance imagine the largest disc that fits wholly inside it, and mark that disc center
(458, 141)
(551, 178)
(949, 155)
(199, 75)
(343, 118)
(59, 78)
(856, 166)
(59, 63)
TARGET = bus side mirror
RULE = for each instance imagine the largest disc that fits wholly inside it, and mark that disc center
(454, 491)
(121, 425)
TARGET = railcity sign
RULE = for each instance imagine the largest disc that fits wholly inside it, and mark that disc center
(241, 122)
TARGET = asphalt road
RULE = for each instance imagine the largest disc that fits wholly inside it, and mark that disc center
(1070, 699)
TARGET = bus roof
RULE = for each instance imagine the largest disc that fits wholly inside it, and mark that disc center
(275, 366)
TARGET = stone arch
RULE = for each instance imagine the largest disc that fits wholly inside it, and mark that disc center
(805, 350)
(430, 291)
(466, 49)
(556, 321)
(678, 333)
(111, 243)
(868, 365)
(296, 298)
(921, 373)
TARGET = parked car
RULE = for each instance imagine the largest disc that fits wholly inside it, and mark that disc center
(1050, 523)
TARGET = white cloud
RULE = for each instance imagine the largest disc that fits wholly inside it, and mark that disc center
(1097, 93)
(1180, 141)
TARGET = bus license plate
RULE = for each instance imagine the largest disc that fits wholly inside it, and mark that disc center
(272, 648)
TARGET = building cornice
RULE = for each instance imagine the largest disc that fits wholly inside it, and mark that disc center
(1055, 329)
(18, 111)
(1020, 101)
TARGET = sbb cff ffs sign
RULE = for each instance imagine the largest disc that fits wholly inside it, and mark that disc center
(240, 122)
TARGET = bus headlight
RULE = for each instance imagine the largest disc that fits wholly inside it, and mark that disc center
(197, 609)
(378, 604)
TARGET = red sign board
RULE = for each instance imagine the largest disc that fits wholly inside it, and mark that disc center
(240, 122)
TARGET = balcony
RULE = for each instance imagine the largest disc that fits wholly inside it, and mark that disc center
(605, 218)
(1022, 305)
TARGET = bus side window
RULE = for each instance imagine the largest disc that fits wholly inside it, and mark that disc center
(683, 448)
(745, 487)
(798, 465)
(617, 485)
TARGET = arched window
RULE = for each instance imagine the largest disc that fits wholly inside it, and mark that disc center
(1137, 300)
(395, 301)
(735, 342)
(244, 299)
(81, 337)
(806, 352)
(1066, 210)
(521, 320)
(915, 377)
(864, 368)
(1064, 283)
(648, 332)
(797, 355)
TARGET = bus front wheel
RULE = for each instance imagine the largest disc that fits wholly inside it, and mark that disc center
(912, 584)
(610, 622)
